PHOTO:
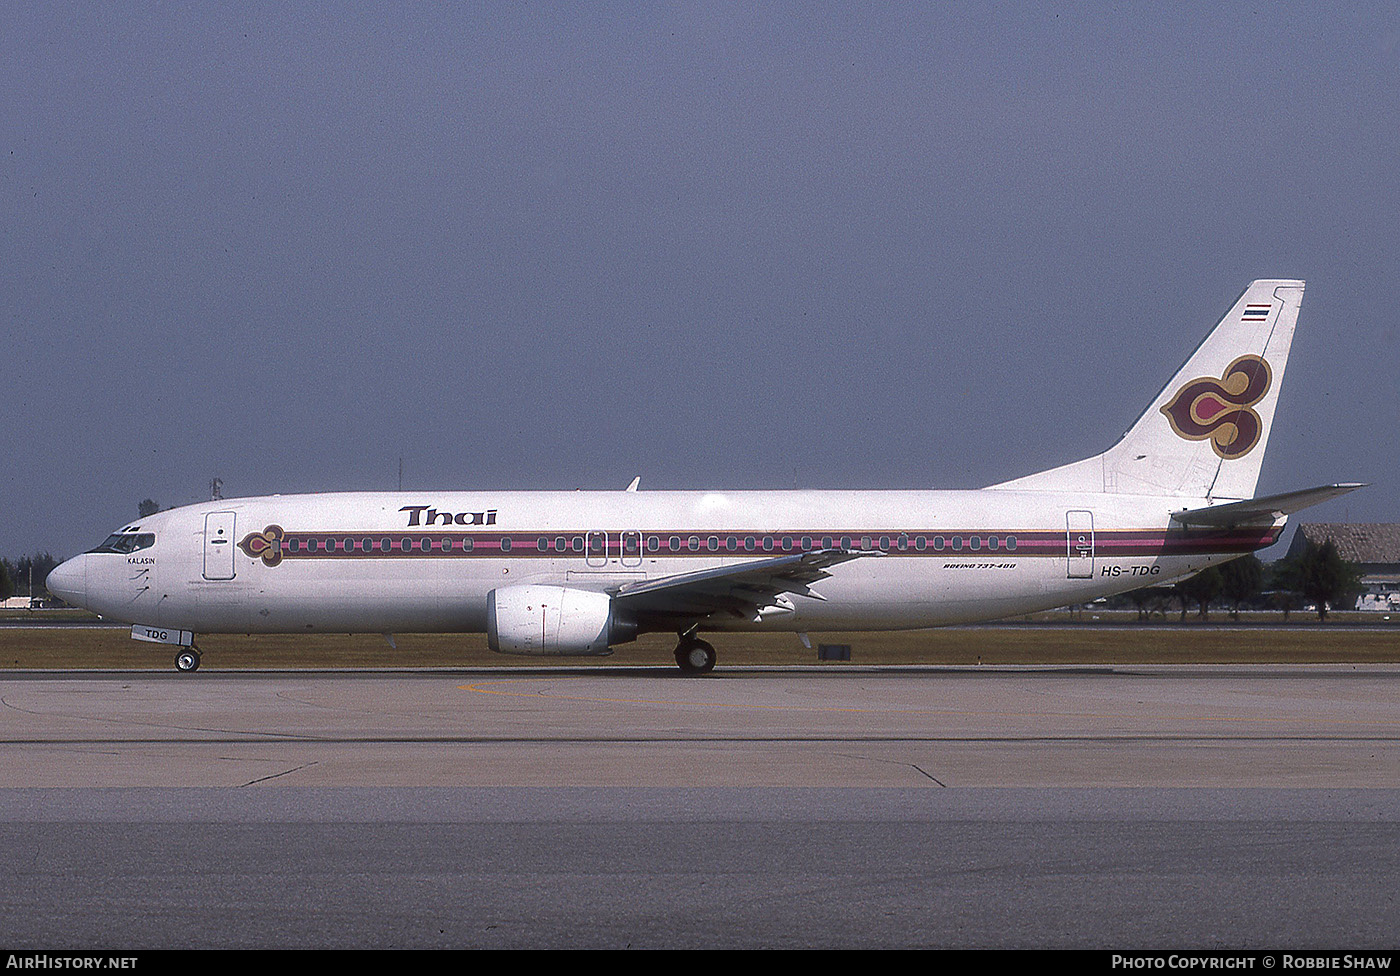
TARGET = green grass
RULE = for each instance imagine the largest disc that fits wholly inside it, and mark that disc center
(1338, 643)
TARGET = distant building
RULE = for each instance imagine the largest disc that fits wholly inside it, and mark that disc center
(1375, 547)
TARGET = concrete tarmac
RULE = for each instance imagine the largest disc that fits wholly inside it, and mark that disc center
(1161, 807)
(1301, 726)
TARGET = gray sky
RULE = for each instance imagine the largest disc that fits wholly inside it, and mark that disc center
(558, 246)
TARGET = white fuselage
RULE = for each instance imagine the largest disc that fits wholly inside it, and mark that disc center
(427, 561)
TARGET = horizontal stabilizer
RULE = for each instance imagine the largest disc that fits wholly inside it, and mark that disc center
(1268, 509)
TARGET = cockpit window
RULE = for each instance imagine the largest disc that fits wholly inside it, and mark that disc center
(125, 542)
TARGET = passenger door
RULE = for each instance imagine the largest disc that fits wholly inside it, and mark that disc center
(1079, 544)
(218, 546)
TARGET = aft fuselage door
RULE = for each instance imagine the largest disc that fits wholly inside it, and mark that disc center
(1079, 544)
(218, 546)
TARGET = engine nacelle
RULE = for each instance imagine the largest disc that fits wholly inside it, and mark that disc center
(539, 619)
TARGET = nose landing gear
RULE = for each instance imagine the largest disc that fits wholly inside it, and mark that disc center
(187, 659)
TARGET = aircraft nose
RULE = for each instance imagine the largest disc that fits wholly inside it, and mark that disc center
(68, 581)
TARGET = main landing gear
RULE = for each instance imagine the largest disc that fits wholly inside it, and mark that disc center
(694, 655)
(187, 659)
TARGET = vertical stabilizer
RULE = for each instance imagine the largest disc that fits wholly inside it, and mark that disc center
(1204, 435)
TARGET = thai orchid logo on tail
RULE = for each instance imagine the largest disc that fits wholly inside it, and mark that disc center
(1221, 409)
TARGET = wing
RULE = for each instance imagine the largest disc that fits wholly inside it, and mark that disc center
(741, 590)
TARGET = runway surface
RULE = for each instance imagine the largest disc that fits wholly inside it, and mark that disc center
(883, 807)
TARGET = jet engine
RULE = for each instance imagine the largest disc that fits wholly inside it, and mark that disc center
(539, 619)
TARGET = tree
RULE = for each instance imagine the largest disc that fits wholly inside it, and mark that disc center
(147, 507)
(1285, 585)
(1200, 589)
(7, 581)
(1151, 599)
(1326, 578)
(1241, 580)
(36, 568)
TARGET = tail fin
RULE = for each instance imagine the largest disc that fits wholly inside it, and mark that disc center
(1204, 435)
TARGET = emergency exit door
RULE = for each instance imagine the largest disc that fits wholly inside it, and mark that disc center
(597, 554)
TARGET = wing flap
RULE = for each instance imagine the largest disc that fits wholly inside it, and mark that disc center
(742, 589)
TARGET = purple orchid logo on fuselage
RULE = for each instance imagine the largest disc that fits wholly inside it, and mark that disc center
(265, 545)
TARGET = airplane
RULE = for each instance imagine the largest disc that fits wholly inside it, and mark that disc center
(560, 573)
